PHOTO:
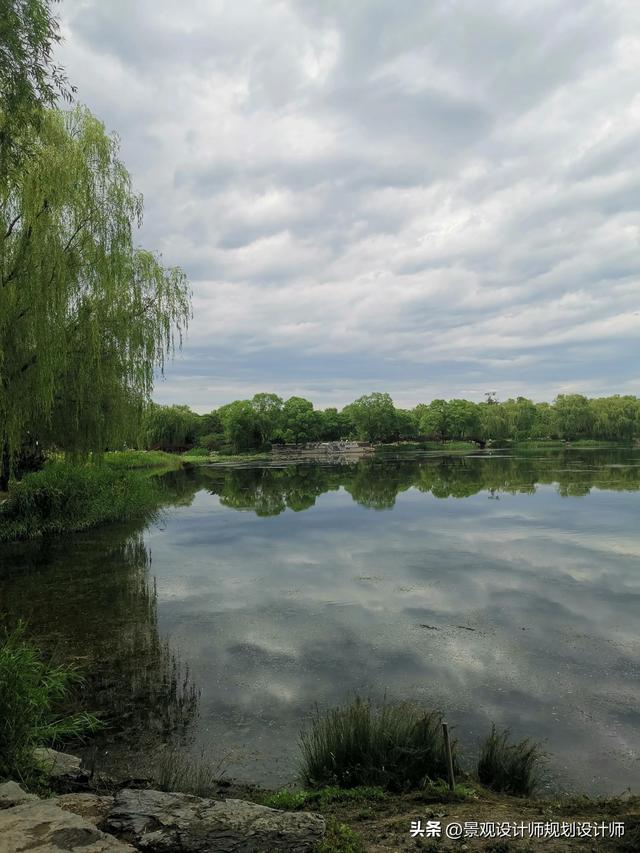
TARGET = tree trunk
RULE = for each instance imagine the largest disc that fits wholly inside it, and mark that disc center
(5, 467)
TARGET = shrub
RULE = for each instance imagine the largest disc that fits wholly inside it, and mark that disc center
(65, 497)
(213, 441)
(31, 691)
(397, 747)
(511, 768)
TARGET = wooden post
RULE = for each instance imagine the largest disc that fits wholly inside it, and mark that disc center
(447, 748)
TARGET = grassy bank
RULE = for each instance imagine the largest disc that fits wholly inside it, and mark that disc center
(67, 497)
(64, 497)
(135, 460)
(202, 456)
(346, 751)
(370, 821)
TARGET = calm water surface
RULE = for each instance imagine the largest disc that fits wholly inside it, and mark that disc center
(501, 586)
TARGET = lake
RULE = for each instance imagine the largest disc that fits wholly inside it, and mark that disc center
(500, 586)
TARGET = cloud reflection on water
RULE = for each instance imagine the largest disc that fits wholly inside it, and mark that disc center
(277, 613)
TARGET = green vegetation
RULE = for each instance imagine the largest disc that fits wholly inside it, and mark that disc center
(31, 694)
(64, 497)
(340, 838)
(510, 768)
(246, 426)
(323, 797)
(132, 460)
(169, 428)
(31, 81)
(396, 747)
(271, 491)
(86, 317)
(199, 455)
(358, 752)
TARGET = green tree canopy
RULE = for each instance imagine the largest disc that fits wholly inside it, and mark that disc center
(373, 416)
(29, 79)
(267, 409)
(169, 427)
(299, 422)
(334, 425)
(574, 416)
(239, 423)
(85, 316)
(435, 421)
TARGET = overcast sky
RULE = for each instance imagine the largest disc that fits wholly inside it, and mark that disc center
(428, 198)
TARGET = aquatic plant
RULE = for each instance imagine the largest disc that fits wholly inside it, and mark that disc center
(398, 747)
(510, 768)
(31, 693)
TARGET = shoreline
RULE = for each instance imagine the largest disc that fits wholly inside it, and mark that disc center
(356, 820)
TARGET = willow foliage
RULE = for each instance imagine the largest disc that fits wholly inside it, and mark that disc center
(29, 79)
(85, 316)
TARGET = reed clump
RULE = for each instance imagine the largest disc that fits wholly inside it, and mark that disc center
(398, 747)
(510, 768)
(200, 775)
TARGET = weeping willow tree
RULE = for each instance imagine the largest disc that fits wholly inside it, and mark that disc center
(85, 316)
(29, 78)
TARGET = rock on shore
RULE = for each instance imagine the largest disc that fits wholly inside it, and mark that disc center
(182, 823)
(145, 820)
(28, 823)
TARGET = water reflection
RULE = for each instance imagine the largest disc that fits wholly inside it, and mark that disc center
(376, 483)
(94, 602)
(280, 588)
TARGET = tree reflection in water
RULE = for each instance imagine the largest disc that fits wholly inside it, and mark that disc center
(375, 482)
(100, 611)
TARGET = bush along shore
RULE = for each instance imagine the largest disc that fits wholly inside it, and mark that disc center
(374, 778)
(66, 497)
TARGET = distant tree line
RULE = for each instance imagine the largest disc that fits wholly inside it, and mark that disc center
(266, 419)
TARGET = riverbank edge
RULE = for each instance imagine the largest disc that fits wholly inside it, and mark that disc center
(70, 497)
(121, 485)
(379, 822)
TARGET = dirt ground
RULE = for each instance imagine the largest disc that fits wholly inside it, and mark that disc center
(386, 826)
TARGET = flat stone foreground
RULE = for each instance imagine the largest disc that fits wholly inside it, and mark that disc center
(181, 823)
(151, 821)
(42, 825)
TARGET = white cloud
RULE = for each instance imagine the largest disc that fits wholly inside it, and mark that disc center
(414, 197)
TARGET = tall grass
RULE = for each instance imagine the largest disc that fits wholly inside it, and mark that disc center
(510, 768)
(64, 497)
(398, 747)
(176, 771)
(31, 693)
